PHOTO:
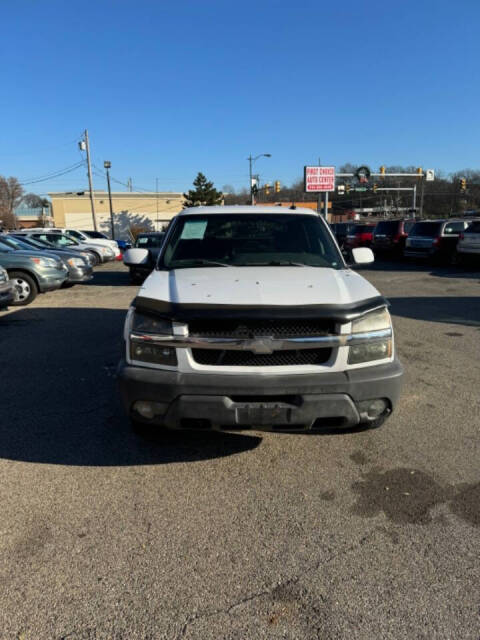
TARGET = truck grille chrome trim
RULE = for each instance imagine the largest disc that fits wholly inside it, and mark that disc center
(263, 344)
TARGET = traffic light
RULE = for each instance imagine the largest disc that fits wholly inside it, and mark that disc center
(382, 170)
(420, 171)
(375, 187)
(463, 184)
(267, 189)
(277, 186)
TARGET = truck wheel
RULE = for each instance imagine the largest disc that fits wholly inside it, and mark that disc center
(25, 288)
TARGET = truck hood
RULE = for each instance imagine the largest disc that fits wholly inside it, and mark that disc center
(257, 286)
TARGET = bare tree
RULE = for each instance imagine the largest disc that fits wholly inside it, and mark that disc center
(34, 202)
(11, 193)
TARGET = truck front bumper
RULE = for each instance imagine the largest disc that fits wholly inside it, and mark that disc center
(296, 402)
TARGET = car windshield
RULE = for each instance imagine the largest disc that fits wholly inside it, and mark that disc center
(95, 234)
(250, 240)
(388, 227)
(30, 242)
(14, 243)
(474, 227)
(153, 241)
(75, 234)
(59, 240)
(363, 228)
(426, 229)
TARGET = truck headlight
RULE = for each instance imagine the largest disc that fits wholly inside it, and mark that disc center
(151, 324)
(143, 347)
(372, 347)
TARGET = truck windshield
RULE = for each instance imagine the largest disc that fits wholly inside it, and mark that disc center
(248, 239)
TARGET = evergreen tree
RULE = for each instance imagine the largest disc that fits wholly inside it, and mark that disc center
(204, 193)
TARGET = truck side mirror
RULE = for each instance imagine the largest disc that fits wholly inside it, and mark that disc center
(362, 255)
(134, 257)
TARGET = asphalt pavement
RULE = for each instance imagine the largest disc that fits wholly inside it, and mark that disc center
(365, 534)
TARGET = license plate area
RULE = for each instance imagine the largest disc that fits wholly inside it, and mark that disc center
(263, 414)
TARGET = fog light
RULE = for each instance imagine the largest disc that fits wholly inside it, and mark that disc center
(149, 409)
(372, 409)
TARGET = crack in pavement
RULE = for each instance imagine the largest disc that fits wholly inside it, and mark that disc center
(191, 619)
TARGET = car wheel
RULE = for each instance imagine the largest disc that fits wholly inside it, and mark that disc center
(25, 287)
(96, 258)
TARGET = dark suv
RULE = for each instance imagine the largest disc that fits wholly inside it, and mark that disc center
(389, 236)
(341, 231)
(434, 239)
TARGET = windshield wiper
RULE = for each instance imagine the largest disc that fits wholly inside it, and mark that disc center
(203, 263)
(272, 263)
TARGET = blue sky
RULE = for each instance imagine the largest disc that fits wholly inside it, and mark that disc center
(168, 89)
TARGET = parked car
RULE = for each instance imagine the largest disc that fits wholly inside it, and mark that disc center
(7, 292)
(62, 241)
(389, 236)
(360, 236)
(252, 318)
(121, 244)
(79, 270)
(341, 231)
(36, 243)
(98, 239)
(468, 246)
(434, 239)
(31, 273)
(152, 241)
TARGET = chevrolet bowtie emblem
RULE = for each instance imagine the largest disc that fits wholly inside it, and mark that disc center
(262, 344)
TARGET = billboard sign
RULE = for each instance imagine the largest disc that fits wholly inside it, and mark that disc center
(318, 179)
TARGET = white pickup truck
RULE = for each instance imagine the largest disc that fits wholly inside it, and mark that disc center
(252, 319)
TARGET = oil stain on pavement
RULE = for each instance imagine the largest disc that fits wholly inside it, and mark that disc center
(408, 496)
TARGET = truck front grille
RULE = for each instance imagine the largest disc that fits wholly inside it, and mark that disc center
(250, 328)
(224, 358)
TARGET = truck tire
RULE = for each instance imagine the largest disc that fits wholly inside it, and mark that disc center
(26, 289)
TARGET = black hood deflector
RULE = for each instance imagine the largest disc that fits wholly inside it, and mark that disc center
(341, 313)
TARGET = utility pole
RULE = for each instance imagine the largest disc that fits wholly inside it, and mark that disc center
(156, 197)
(319, 198)
(129, 184)
(421, 197)
(107, 164)
(90, 181)
(250, 161)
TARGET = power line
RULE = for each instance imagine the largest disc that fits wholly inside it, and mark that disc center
(57, 174)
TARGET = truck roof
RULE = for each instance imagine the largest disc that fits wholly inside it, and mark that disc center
(244, 208)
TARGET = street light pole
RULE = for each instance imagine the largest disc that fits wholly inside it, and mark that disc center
(250, 166)
(107, 164)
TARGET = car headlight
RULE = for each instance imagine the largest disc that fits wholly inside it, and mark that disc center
(87, 257)
(3, 275)
(372, 347)
(76, 262)
(106, 251)
(47, 262)
(142, 346)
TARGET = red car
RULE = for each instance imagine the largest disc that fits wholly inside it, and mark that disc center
(360, 236)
